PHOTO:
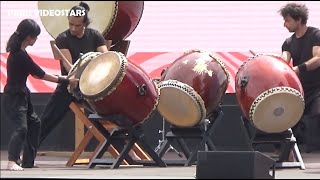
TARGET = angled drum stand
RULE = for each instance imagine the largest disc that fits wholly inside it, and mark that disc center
(201, 132)
(286, 139)
(127, 136)
(99, 131)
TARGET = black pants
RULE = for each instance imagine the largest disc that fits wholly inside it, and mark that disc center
(307, 130)
(55, 110)
(20, 112)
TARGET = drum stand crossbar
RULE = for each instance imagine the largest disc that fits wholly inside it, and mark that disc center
(286, 139)
(179, 135)
(127, 137)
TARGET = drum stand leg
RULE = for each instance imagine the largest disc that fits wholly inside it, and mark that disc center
(132, 136)
(96, 131)
(180, 134)
(163, 141)
(287, 141)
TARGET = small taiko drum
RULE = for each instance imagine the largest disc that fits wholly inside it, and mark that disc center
(269, 93)
(115, 20)
(114, 86)
(192, 88)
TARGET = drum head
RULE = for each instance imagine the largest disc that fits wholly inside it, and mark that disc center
(102, 14)
(77, 69)
(277, 109)
(81, 63)
(179, 104)
(103, 75)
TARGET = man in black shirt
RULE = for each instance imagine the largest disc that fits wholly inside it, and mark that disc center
(77, 39)
(72, 42)
(303, 47)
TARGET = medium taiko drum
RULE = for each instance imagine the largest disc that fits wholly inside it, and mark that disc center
(269, 93)
(114, 86)
(192, 88)
(115, 20)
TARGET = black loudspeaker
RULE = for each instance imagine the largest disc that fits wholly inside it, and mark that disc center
(234, 165)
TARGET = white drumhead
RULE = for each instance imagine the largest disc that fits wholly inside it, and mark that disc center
(179, 104)
(277, 110)
(101, 13)
(83, 60)
(102, 76)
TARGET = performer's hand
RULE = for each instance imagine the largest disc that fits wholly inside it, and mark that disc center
(296, 69)
(73, 81)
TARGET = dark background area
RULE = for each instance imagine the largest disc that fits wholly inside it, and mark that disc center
(228, 134)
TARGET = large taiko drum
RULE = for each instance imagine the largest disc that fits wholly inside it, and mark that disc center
(114, 86)
(269, 93)
(192, 88)
(115, 20)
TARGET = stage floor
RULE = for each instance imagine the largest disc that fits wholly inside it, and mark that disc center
(52, 165)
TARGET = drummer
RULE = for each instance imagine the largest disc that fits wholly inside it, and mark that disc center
(73, 41)
(306, 62)
(79, 38)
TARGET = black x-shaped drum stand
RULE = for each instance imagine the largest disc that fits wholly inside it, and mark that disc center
(179, 135)
(286, 139)
(128, 137)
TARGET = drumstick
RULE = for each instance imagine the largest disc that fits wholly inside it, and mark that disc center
(62, 56)
(252, 52)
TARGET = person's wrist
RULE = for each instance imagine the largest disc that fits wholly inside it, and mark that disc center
(62, 80)
(302, 67)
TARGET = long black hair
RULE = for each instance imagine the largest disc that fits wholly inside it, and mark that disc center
(83, 7)
(26, 27)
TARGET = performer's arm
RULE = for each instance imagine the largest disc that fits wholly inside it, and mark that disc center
(286, 56)
(102, 49)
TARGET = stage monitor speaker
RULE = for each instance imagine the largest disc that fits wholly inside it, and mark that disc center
(234, 165)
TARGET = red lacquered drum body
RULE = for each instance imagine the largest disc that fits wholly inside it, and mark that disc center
(113, 85)
(192, 87)
(269, 93)
(126, 17)
(115, 20)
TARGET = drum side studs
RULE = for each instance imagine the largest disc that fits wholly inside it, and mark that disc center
(142, 90)
(243, 81)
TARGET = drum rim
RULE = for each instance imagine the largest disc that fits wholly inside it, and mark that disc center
(83, 57)
(137, 21)
(269, 92)
(188, 89)
(104, 31)
(253, 57)
(113, 20)
(154, 109)
(115, 82)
